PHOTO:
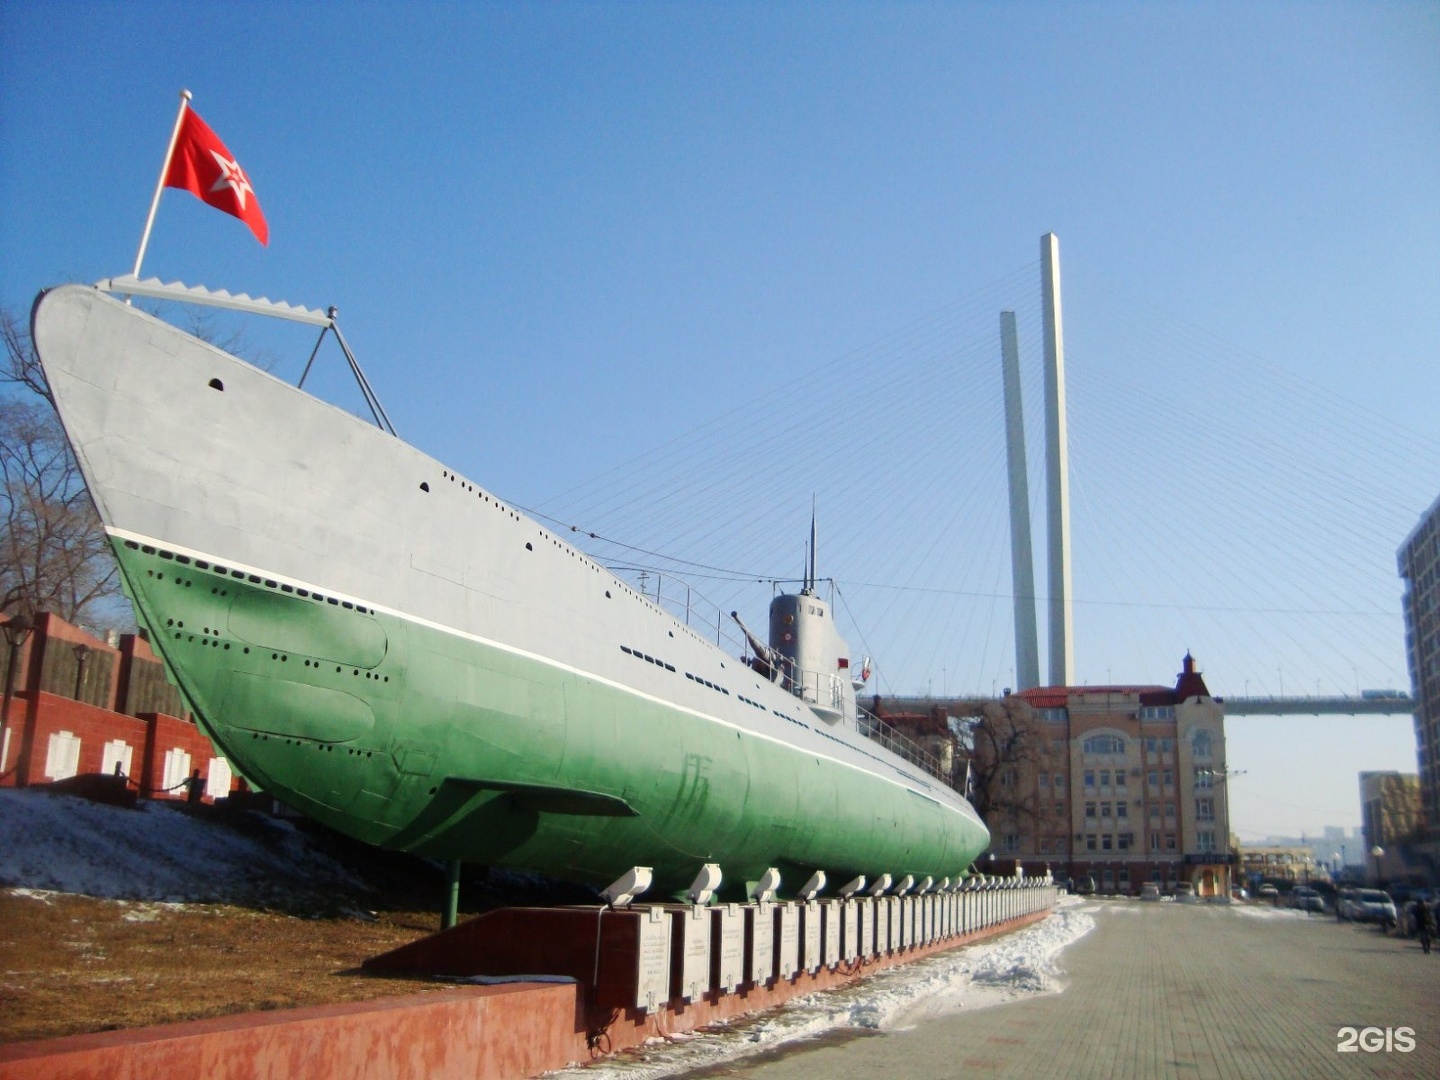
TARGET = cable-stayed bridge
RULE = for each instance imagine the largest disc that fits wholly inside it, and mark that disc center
(1343, 705)
(1221, 504)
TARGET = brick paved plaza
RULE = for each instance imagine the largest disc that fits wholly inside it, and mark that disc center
(1169, 990)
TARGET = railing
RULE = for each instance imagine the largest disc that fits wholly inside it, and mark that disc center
(873, 728)
(823, 689)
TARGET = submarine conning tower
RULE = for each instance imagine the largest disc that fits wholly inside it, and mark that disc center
(815, 660)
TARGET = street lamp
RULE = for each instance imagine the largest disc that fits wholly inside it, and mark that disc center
(82, 653)
(16, 630)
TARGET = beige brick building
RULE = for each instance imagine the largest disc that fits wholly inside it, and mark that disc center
(1392, 823)
(1122, 784)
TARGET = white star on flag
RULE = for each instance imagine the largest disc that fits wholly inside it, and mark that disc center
(196, 154)
(231, 176)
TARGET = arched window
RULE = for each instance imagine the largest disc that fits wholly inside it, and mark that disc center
(1104, 744)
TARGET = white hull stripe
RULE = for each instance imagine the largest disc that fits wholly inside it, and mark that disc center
(548, 661)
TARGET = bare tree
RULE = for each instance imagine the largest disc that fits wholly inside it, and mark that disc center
(53, 552)
(1002, 747)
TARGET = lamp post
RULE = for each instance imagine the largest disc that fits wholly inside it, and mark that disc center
(82, 653)
(16, 630)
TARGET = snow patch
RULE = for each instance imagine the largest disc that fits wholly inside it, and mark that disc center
(1019, 965)
(157, 853)
(1267, 912)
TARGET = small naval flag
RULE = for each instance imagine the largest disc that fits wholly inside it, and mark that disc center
(202, 166)
(198, 162)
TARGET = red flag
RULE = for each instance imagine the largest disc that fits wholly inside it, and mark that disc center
(202, 166)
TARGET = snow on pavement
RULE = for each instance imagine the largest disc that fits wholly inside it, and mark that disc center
(1019, 965)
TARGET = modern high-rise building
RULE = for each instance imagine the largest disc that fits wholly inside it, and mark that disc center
(1419, 561)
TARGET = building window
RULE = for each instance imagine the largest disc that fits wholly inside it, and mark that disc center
(1154, 841)
(1060, 846)
(1200, 743)
(1158, 712)
(1053, 716)
(1123, 841)
(1044, 779)
(1204, 778)
(1107, 842)
(1011, 842)
(1104, 744)
(1059, 782)
(218, 778)
(1122, 810)
(62, 755)
(1170, 810)
(1089, 778)
(1104, 779)
(1059, 809)
(1007, 779)
(1120, 781)
(1205, 809)
(1170, 841)
(1153, 776)
(1169, 778)
(1155, 812)
(177, 768)
(1205, 840)
(1089, 811)
(1044, 845)
(115, 757)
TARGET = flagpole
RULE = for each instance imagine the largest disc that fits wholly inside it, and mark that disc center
(160, 186)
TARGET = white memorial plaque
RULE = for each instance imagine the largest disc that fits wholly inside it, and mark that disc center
(694, 951)
(810, 936)
(728, 941)
(788, 915)
(760, 933)
(652, 978)
(849, 930)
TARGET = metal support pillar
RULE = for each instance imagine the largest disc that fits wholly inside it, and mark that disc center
(1057, 469)
(452, 896)
(1022, 561)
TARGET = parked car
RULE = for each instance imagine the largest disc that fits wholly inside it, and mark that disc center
(1268, 892)
(1372, 905)
(1185, 893)
(1344, 900)
(1149, 891)
(1307, 899)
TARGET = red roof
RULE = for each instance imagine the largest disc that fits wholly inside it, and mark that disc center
(1055, 697)
(1189, 683)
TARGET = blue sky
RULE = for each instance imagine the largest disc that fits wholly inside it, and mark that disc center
(595, 256)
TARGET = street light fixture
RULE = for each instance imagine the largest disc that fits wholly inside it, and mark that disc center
(17, 630)
(82, 653)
